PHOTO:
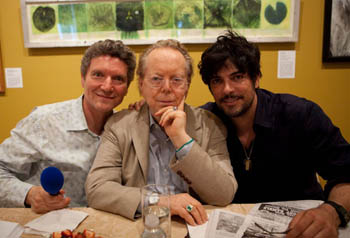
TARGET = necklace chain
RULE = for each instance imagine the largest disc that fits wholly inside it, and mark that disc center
(247, 160)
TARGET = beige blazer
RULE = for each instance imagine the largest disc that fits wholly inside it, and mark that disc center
(121, 164)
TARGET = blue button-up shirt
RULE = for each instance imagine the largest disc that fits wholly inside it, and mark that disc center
(161, 151)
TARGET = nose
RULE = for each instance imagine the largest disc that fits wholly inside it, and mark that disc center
(107, 85)
(228, 87)
(166, 85)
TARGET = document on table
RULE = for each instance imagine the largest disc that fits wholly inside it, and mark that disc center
(10, 229)
(56, 220)
(270, 219)
(197, 231)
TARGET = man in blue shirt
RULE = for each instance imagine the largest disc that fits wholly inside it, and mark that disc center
(277, 142)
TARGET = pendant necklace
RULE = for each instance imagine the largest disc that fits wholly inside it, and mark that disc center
(247, 161)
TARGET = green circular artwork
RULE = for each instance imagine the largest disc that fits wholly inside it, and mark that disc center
(44, 18)
(276, 16)
(159, 15)
(188, 15)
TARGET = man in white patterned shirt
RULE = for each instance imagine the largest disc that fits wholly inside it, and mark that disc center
(65, 134)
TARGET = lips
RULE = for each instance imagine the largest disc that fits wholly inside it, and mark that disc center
(166, 103)
(230, 99)
(106, 96)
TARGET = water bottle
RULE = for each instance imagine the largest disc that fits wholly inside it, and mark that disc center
(152, 229)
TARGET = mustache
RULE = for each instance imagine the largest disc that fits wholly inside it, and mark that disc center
(230, 96)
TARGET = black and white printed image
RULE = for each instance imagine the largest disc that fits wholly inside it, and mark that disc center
(336, 35)
(228, 224)
(340, 28)
(262, 230)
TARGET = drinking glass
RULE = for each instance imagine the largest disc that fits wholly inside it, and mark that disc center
(156, 217)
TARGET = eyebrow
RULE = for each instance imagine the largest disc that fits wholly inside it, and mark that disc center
(237, 72)
(119, 76)
(232, 74)
(96, 70)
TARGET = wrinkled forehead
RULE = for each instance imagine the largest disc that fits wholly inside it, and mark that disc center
(166, 53)
(165, 59)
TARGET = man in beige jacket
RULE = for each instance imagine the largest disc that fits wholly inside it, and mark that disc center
(166, 142)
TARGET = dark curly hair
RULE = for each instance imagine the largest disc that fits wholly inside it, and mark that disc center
(235, 48)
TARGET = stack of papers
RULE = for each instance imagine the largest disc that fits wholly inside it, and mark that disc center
(57, 220)
(10, 229)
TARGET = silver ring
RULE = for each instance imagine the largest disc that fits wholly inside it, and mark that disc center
(189, 208)
(174, 108)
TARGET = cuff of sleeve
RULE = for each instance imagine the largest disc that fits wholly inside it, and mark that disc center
(13, 192)
(17, 195)
(184, 150)
(25, 191)
(138, 212)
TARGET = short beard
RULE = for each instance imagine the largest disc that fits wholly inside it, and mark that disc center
(234, 114)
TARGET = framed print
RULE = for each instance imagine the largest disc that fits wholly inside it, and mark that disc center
(2, 76)
(65, 23)
(336, 34)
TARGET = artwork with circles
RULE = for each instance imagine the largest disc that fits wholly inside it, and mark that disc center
(64, 23)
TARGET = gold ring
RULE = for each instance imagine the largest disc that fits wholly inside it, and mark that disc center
(189, 208)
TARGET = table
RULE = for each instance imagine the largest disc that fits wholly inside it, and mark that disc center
(109, 225)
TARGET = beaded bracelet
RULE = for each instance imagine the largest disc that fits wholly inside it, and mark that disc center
(188, 142)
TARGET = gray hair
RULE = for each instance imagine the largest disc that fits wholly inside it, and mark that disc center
(170, 43)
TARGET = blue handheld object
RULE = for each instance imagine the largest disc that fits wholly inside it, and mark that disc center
(52, 180)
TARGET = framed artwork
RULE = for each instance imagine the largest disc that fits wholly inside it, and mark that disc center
(2, 76)
(336, 34)
(65, 23)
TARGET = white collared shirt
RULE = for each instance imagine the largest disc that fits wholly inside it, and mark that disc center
(51, 135)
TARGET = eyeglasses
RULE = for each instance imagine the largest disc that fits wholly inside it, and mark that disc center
(272, 232)
(176, 83)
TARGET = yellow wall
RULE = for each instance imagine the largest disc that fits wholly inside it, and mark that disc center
(51, 75)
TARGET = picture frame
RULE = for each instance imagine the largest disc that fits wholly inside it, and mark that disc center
(2, 76)
(336, 34)
(74, 23)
